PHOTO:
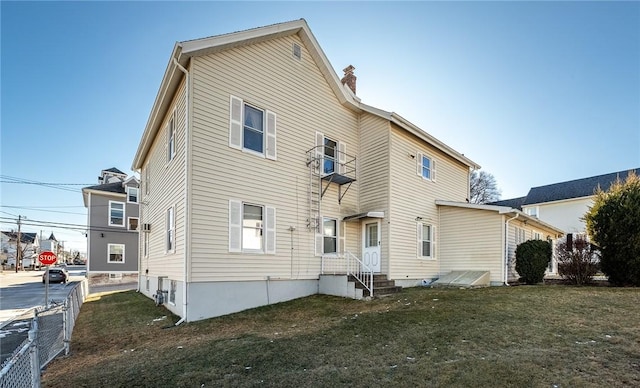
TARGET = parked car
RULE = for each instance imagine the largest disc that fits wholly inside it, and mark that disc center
(56, 275)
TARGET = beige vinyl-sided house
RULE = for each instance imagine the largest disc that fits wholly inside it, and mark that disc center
(264, 178)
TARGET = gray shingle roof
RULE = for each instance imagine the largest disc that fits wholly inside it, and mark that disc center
(27, 238)
(114, 170)
(574, 189)
(577, 188)
(514, 203)
(115, 187)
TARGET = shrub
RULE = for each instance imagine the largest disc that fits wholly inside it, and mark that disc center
(532, 259)
(578, 263)
(613, 223)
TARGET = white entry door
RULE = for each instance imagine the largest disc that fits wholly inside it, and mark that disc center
(371, 245)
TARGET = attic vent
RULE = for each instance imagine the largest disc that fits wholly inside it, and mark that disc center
(297, 52)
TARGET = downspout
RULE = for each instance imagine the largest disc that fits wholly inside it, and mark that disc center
(506, 249)
(186, 193)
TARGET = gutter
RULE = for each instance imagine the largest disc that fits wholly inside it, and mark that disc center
(506, 249)
(186, 193)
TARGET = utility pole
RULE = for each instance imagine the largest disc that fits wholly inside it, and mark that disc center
(18, 250)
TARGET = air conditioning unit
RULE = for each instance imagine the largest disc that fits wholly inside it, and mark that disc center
(146, 227)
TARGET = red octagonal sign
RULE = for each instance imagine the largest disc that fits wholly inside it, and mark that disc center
(47, 258)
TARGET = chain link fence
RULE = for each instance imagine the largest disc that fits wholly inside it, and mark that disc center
(49, 336)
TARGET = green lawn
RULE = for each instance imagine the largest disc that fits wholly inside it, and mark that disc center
(540, 336)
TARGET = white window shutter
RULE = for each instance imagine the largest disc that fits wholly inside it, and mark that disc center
(319, 154)
(235, 123)
(419, 163)
(342, 157)
(419, 238)
(433, 241)
(270, 224)
(271, 136)
(319, 242)
(433, 169)
(235, 226)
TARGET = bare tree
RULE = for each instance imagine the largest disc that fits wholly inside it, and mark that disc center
(484, 188)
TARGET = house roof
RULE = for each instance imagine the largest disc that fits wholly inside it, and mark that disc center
(183, 51)
(515, 203)
(111, 188)
(504, 210)
(52, 237)
(114, 170)
(577, 188)
(27, 238)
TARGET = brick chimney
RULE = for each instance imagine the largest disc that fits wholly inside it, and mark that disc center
(349, 78)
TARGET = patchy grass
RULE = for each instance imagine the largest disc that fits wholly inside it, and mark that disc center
(500, 336)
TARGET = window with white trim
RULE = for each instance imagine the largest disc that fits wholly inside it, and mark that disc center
(532, 211)
(115, 253)
(133, 223)
(116, 213)
(147, 179)
(132, 194)
(251, 228)
(252, 129)
(426, 240)
(170, 230)
(331, 155)
(520, 236)
(172, 292)
(426, 167)
(329, 235)
(171, 138)
(537, 236)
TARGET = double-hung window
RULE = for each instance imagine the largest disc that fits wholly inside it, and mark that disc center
(115, 253)
(330, 146)
(252, 129)
(171, 138)
(251, 228)
(329, 235)
(426, 167)
(426, 241)
(116, 213)
(170, 232)
(132, 194)
(330, 154)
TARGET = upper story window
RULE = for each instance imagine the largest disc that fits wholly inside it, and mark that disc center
(171, 138)
(147, 179)
(532, 211)
(251, 228)
(132, 194)
(426, 167)
(133, 223)
(330, 154)
(252, 129)
(426, 240)
(116, 213)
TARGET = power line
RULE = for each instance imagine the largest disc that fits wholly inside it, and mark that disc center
(10, 179)
(42, 210)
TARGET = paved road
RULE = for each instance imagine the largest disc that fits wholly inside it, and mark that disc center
(20, 293)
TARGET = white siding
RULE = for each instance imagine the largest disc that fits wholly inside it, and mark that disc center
(566, 215)
(412, 196)
(471, 240)
(166, 190)
(268, 76)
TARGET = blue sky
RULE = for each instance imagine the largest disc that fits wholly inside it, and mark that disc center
(535, 92)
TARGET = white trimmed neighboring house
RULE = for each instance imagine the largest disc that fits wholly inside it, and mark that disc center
(28, 246)
(264, 178)
(112, 223)
(564, 204)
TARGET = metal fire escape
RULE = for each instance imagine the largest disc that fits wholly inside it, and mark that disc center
(327, 165)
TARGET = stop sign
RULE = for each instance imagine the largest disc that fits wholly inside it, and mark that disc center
(47, 257)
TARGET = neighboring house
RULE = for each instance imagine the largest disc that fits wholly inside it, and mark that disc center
(112, 222)
(28, 246)
(564, 204)
(262, 173)
(51, 244)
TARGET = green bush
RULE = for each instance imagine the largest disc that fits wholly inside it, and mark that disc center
(532, 259)
(577, 263)
(613, 223)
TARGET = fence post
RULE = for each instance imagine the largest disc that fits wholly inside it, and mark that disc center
(34, 357)
(65, 326)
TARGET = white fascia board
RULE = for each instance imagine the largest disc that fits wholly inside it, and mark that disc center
(412, 128)
(104, 193)
(589, 197)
